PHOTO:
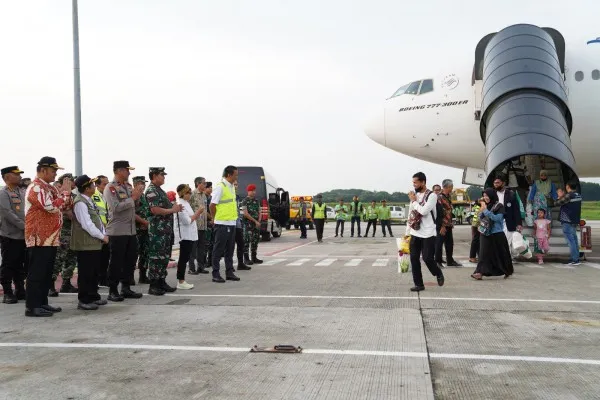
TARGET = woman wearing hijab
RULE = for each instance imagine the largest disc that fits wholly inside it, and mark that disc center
(543, 194)
(494, 253)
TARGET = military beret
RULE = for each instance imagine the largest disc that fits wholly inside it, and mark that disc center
(251, 187)
(140, 178)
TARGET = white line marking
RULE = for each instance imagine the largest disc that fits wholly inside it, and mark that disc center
(274, 261)
(587, 264)
(326, 262)
(381, 262)
(299, 262)
(354, 262)
(564, 266)
(276, 296)
(404, 354)
(298, 247)
(343, 256)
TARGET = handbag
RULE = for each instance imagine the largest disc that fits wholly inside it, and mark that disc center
(414, 219)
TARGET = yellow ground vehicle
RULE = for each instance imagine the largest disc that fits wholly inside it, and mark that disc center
(462, 206)
(294, 206)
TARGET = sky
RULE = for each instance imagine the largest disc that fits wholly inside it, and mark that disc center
(195, 85)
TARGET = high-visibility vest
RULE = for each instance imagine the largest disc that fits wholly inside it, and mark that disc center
(227, 208)
(319, 211)
(98, 199)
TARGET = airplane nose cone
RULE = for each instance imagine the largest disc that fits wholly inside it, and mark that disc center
(374, 126)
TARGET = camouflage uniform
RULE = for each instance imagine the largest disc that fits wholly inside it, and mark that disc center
(159, 231)
(143, 211)
(251, 231)
(66, 259)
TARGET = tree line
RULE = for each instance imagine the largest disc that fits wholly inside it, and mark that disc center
(590, 192)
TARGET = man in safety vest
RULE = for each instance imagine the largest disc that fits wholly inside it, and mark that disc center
(224, 212)
(372, 213)
(356, 210)
(319, 215)
(98, 199)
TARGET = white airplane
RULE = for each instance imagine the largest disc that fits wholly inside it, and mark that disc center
(437, 118)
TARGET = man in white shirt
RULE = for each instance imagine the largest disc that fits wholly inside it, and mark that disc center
(421, 228)
(87, 237)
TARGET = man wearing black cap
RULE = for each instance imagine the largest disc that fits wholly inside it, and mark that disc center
(141, 224)
(66, 259)
(160, 230)
(120, 199)
(43, 222)
(12, 236)
(87, 238)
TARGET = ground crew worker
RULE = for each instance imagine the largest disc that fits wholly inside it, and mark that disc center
(372, 213)
(141, 229)
(98, 199)
(121, 198)
(160, 229)
(251, 226)
(12, 236)
(66, 259)
(87, 237)
(356, 210)
(319, 214)
(340, 216)
(224, 211)
(385, 215)
(301, 217)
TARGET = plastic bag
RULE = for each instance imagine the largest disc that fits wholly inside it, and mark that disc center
(529, 215)
(403, 263)
(518, 243)
(404, 245)
(527, 251)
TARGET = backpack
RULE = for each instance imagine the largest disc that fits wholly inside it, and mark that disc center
(414, 219)
(485, 223)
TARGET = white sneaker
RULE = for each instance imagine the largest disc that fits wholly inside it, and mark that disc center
(184, 285)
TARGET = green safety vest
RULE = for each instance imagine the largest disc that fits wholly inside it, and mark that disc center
(372, 212)
(319, 211)
(101, 205)
(227, 208)
(358, 207)
(80, 239)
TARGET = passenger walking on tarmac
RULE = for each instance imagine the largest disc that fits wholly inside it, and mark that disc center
(141, 227)
(198, 201)
(570, 217)
(356, 211)
(160, 231)
(12, 236)
(543, 194)
(251, 226)
(121, 199)
(444, 226)
(301, 217)
(87, 237)
(475, 235)
(494, 253)
(66, 259)
(98, 199)
(319, 214)
(421, 229)
(224, 211)
(340, 215)
(43, 223)
(385, 216)
(512, 214)
(188, 233)
(541, 231)
(371, 214)
(239, 232)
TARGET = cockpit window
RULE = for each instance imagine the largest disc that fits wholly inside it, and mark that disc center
(426, 86)
(413, 88)
(400, 91)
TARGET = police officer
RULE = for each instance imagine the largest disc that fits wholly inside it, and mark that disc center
(251, 226)
(12, 236)
(98, 199)
(319, 214)
(66, 259)
(121, 198)
(141, 225)
(160, 230)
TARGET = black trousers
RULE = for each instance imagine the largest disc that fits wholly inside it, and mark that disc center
(374, 223)
(475, 242)
(224, 245)
(14, 254)
(39, 275)
(388, 223)
(302, 224)
(199, 252)
(185, 254)
(123, 256)
(239, 243)
(445, 240)
(354, 219)
(88, 267)
(426, 248)
(319, 226)
(339, 223)
(104, 262)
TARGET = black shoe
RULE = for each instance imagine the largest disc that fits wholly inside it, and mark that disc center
(203, 271)
(351, 235)
(10, 298)
(256, 260)
(440, 280)
(143, 277)
(417, 288)
(218, 279)
(232, 277)
(50, 308)
(103, 283)
(247, 260)
(359, 235)
(52, 292)
(443, 261)
(165, 286)
(453, 264)
(87, 307)
(66, 287)
(20, 291)
(100, 302)
(132, 282)
(156, 289)
(243, 267)
(37, 312)
(127, 293)
(115, 296)
(193, 272)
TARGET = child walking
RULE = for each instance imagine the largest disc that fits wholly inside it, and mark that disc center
(542, 229)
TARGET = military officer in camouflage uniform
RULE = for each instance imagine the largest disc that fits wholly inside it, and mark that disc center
(251, 226)
(141, 226)
(160, 229)
(66, 259)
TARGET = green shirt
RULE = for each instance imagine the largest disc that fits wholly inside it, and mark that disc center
(384, 213)
(341, 212)
(372, 212)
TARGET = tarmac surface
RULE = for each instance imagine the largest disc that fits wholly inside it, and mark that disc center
(364, 335)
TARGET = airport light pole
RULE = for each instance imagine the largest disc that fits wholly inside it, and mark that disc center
(77, 91)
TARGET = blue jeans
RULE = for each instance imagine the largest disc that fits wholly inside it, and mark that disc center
(570, 233)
